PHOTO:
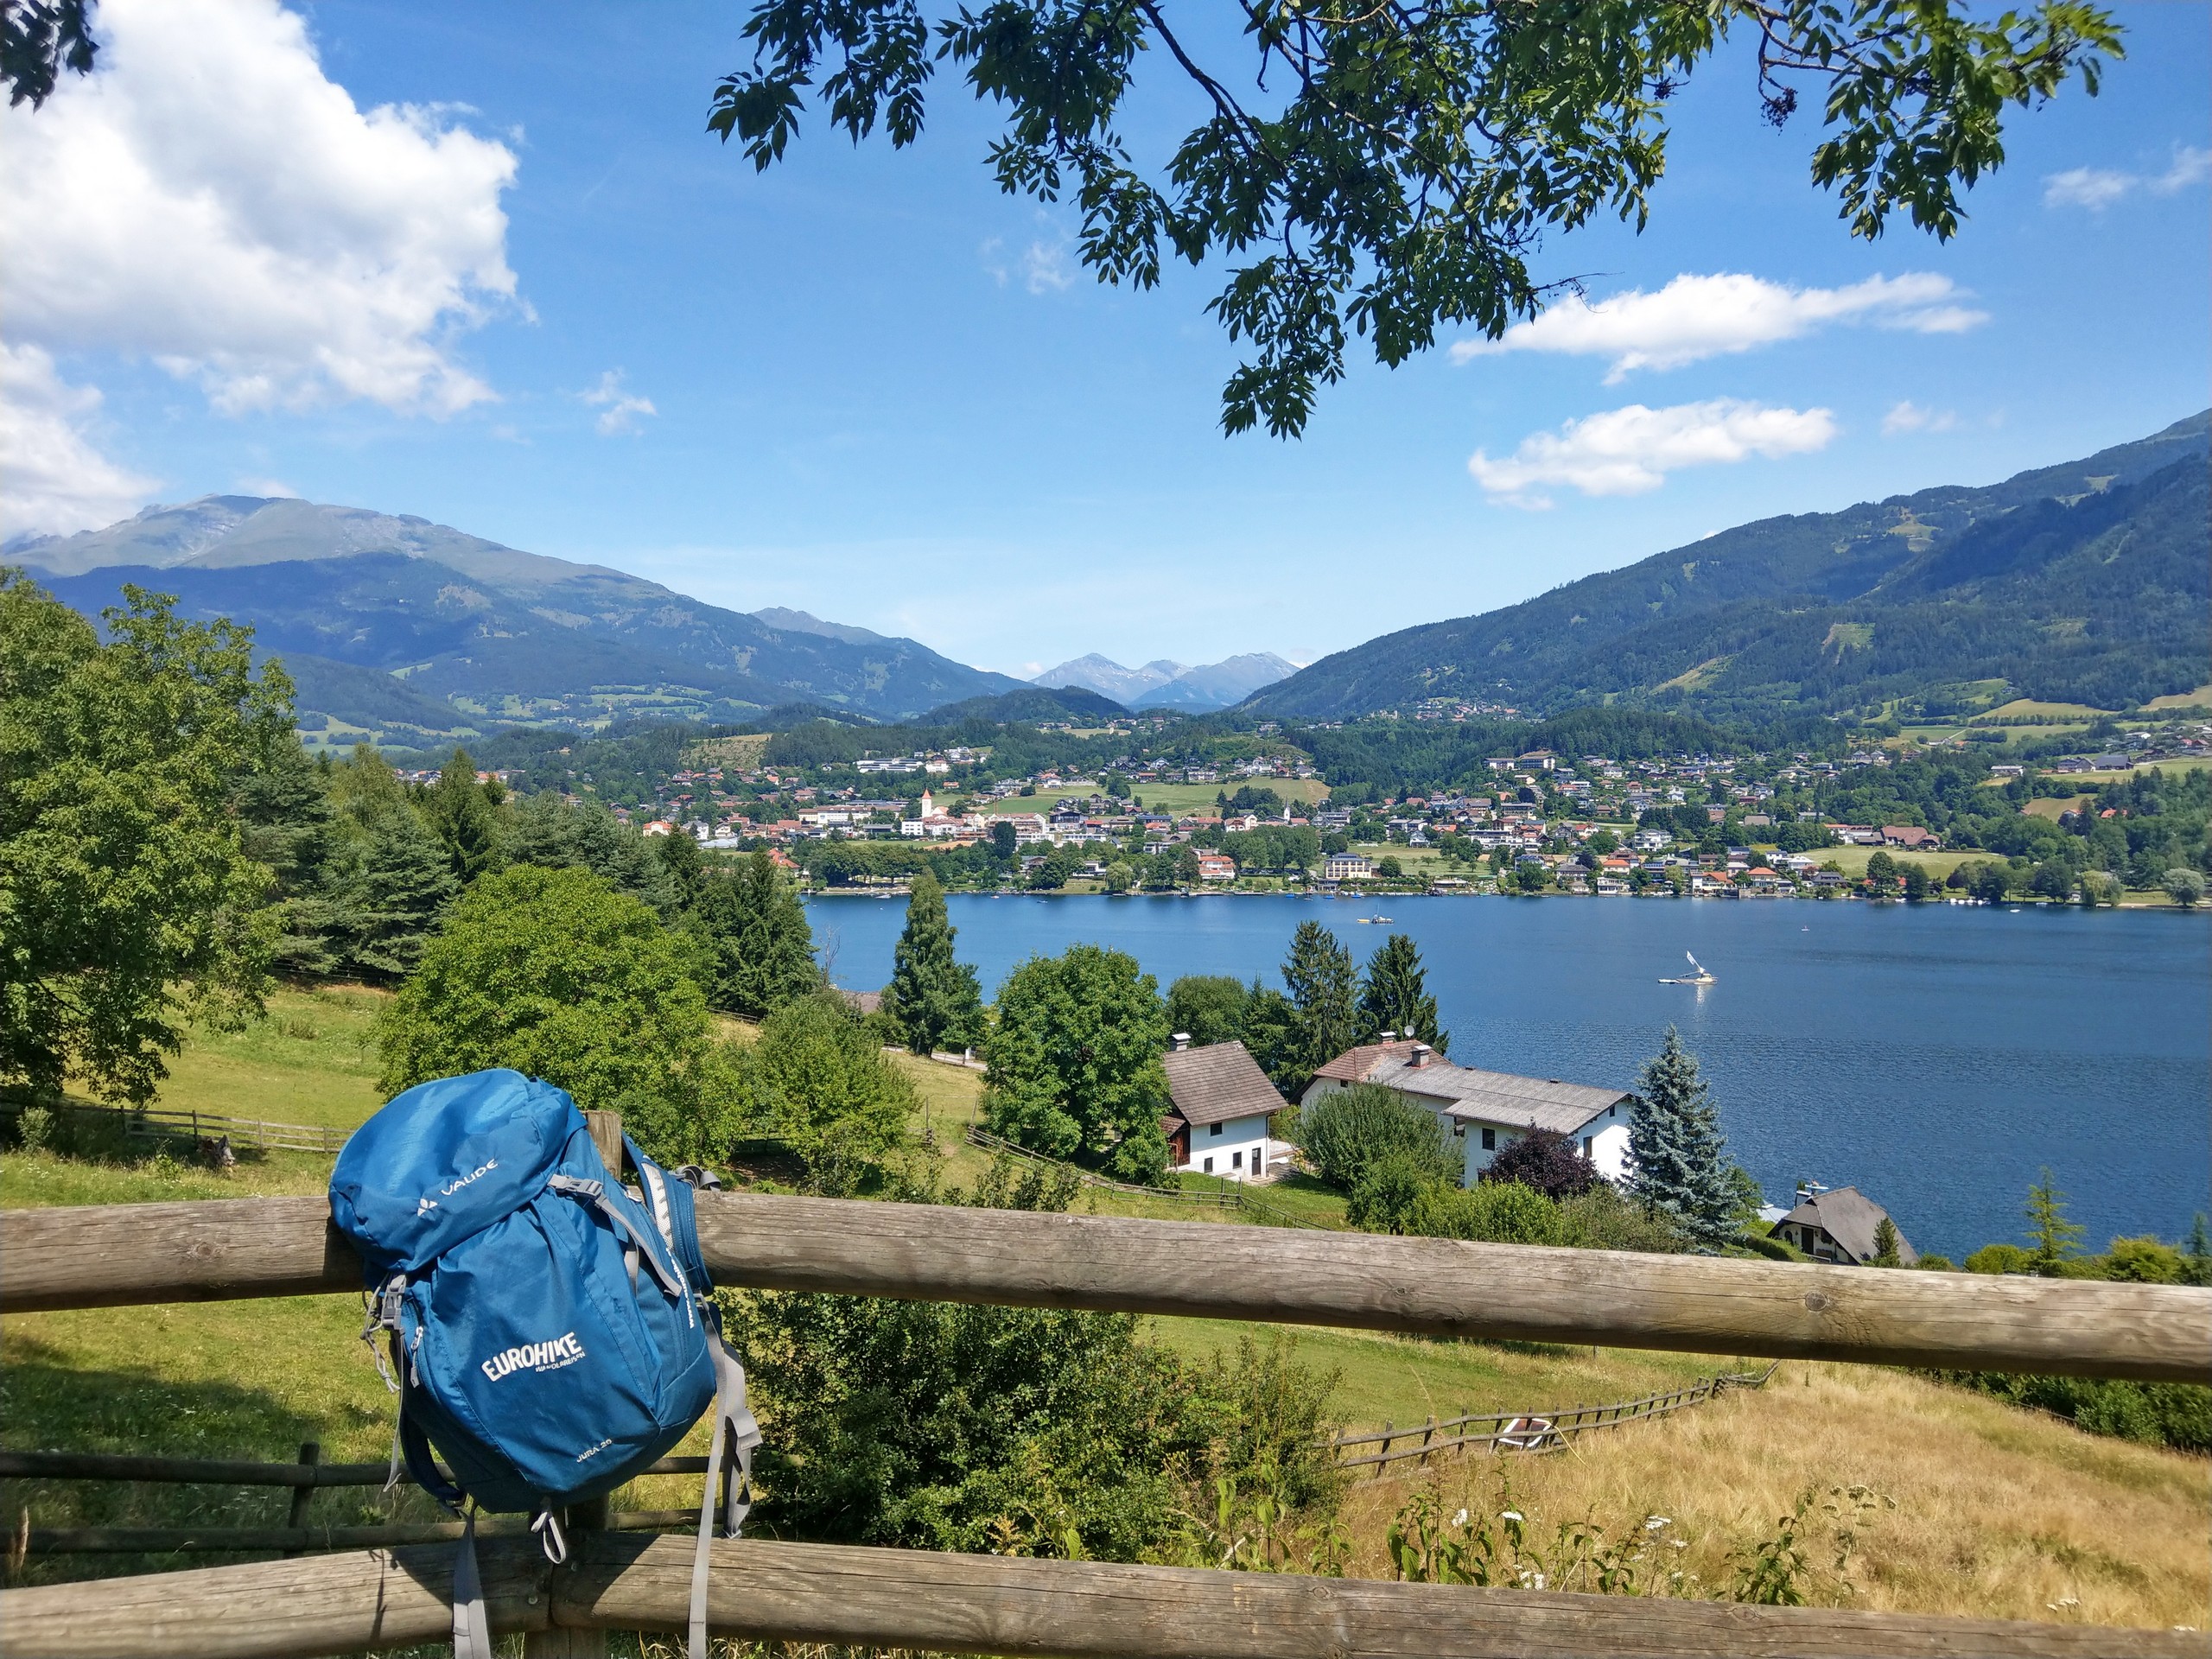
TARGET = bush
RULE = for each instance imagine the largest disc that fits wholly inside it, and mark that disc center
(1601, 1220)
(2143, 1261)
(2000, 1258)
(2178, 1414)
(1499, 1212)
(1546, 1159)
(1344, 1133)
(554, 973)
(819, 1082)
(1388, 1192)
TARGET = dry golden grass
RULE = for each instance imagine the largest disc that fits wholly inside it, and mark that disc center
(2000, 1512)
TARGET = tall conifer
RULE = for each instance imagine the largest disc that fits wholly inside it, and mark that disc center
(1678, 1162)
(1394, 995)
(762, 948)
(1323, 987)
(933, 995)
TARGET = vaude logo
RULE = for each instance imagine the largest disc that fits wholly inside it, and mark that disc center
(452, 1187)
(423, 1206)
(536, 1357)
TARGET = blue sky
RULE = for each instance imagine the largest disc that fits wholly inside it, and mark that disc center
(484, 264)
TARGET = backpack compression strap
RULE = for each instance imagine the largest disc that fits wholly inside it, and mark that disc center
(736, 1435)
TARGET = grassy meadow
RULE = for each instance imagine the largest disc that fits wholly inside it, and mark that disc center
(1998, 1511)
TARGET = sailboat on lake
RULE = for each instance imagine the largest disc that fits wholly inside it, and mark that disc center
(1698, 975)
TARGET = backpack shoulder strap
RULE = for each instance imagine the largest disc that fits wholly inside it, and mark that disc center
(736, 1435)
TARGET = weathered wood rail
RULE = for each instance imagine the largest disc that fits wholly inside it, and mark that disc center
(1547, 1429)
(121, 1255)
(857, 1598)
(252, 1133)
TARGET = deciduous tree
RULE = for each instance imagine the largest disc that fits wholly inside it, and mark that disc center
(1394, 170)
(128, 900)
(1209, 1007)
(1074, 1062)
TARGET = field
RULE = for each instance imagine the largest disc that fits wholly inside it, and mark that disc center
(1852, 861)
(2200, 698)
(1996, 1510)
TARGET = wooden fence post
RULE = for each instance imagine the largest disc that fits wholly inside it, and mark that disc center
(310, 1454)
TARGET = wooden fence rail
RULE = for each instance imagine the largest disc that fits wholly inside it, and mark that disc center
(121, 1255)
(1533, 1431)
(859, 1597)
(255, 1133)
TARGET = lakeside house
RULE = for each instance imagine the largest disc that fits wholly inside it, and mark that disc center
(1839, 1226)
(1347, 867)
(1222, 1101)
(1487, 1110)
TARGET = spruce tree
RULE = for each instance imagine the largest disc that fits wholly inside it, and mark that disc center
(399, 897)
(934, 996)
(684, 871)
(762, 949)
(1323, 987)
(1394, 995)
(2055, 1237)
(1679, 1164)
(461, 813)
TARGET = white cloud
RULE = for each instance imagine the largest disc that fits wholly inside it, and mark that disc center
(619, 409)
(2098, 188)
(1909, 417)
(1697, 317)
(1629, 451)
(1044, 268)
(211, 201)
(52, 479)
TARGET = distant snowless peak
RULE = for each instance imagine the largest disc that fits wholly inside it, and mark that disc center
(1164, 684)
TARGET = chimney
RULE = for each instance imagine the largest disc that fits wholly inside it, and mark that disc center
(1387, 1037)
(1182, 1042)
(1423, 1054)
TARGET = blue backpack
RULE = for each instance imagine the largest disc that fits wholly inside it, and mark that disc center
(552, 1333)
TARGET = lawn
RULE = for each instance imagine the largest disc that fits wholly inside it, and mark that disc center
(313, 1060)
(2200, 698)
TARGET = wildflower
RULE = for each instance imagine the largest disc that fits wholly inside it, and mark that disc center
(1512, 1515)
(1656, 1521)
(1460, 1519)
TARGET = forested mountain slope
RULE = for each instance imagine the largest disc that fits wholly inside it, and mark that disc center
(2083, 582)
(499, 633)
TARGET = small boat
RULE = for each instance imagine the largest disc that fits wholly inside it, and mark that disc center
(1384, 920)
(1698, 975)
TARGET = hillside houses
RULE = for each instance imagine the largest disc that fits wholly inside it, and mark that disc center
(1838, 1225)
(1218, 1122)
(1487, 1111)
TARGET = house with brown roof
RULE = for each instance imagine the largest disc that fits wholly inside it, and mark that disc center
(1218, 1123)
(1487, 1111)
(1839, 1226)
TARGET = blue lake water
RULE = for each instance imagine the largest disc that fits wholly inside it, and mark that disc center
(1937, 1057)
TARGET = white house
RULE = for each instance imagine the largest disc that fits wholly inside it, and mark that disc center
(1347, 867)
(1222, 1103)
(1487, 1110)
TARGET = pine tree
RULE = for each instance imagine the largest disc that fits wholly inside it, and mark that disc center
(1678, 1165)
(684, 871)
(399, 897)
(934, 996)
(762, 949)
(290, 827)
(1886, 1244)
(1394, 996)
(2054, 1237)
(1323, 987)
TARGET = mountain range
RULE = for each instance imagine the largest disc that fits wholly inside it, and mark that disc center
(1163, 684)
(402, 628)
(2089, 581)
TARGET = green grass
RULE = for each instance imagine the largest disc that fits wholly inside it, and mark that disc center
(313, 1060)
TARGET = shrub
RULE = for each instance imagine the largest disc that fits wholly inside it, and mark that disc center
(819, 1082)
(1601, 1220)
(2000, 1258)
(2143, 1261)
(2178, 1414)
(1343, 1132)
(1499, 1212)
(1546, 1159)
(1387, 1193)
(554, 973)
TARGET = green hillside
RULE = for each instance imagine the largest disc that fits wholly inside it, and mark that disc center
(2084, 582)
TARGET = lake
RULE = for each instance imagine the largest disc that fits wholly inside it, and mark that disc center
(1936, 1058)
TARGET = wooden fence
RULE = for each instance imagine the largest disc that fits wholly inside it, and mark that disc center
(255, 1133)
(1232, 1197)
(352, 1600)
(1548, 1430)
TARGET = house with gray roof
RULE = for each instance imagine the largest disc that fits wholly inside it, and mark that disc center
(1218, 1122)
(1487, 1110)
(1838, 1225)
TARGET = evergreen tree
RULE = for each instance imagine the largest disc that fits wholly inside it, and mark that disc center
(1267, 1027)
(2197, 1254)
(602, 844)
(461, 813)
(2054, 1236)
(1394, 996)
(399, 896)
(762, 949)
(1679, 1164)
(290, 827)
(1325, 989)
(932, 995)
(1886, 1244)
(684, 871)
